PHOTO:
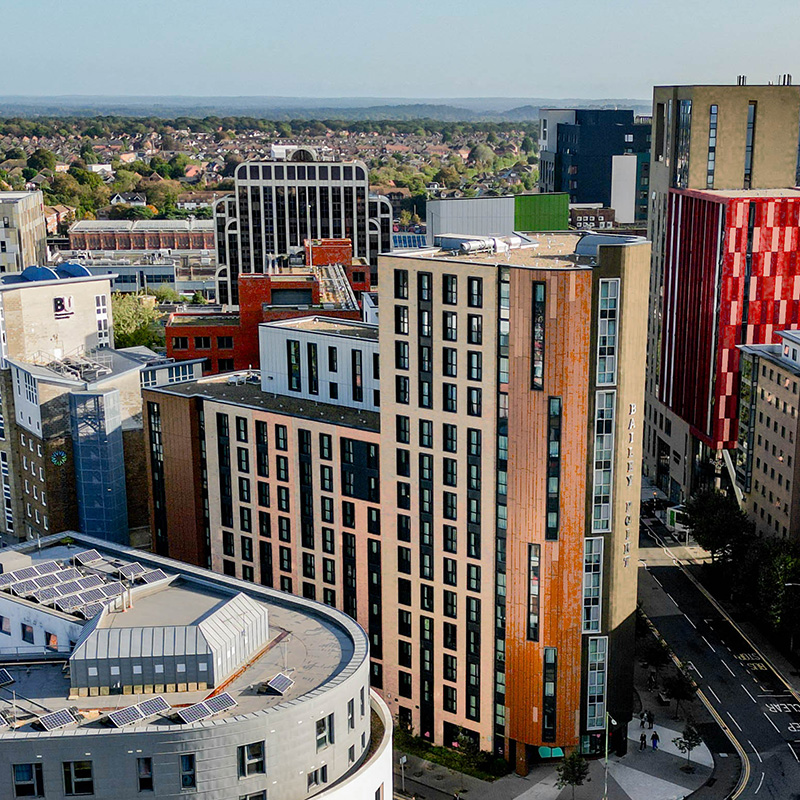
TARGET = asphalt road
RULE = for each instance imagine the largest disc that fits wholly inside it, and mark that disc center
(752, 700)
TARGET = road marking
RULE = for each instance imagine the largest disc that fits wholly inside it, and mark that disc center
(670, 597)
(796, 758)
(755, 751)
(690, 622)
(715, 694)
(691, 665)
(734, 721)
(748, 693)
(709, 644)
(657, 580)
(727, 667)
(772, 723)
(761, 780)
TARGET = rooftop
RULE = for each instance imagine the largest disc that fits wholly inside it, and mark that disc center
(244, 389)
(330, 326)
(311, 644)
(140, 225)
(14, 197)
(793, 193)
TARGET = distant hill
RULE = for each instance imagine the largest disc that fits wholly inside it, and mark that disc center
(285, 108)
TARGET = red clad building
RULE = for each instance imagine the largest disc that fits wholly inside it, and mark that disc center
(229, 341)
(731, 277)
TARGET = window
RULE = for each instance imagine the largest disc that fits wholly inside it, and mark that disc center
(26, 631)
(450, 326)
(450, 572)
(28, 781)
(78, 778)
(317, 777)
(449, 397)
(144, 774)
(553, 468)
(475, 329)
(474, 401)
(325, 446)
(473, 577)
(202, 342)
(333, 359)
(425, 358)
(450, 436)
(449, 290)
(533, 592)
(293, 364)
(324, 732)
(403, 429)
(475, 292)
(449, 361)
(475, 365)
(592, 578)
(549, 694)
(603, 460)
(537, 336)
(225, 342)
(450, 505)
(404, 684)
(712, 145)
(225, 364)
(357, 376)
(401, 389)
(748, 147)
(449, 636)
(425, 433)
(607, 332)
(424, 287)
(313, 369)
(449, 699)
(401, 354)
(425, 323)
(281, 442)
(401, 320)
(401, 284)
(51, 641)
(251, 759)
(180, 342)
(596, 685)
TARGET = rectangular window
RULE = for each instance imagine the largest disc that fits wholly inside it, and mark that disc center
(450, 438)
(401, 320)
(553, 468)
(596, 685)
(475, 292)
(549, 676)
(592, 583)
(401, 354)
(26, 631)
(424, 323)
(251, 759)
(78, 778)
(424, 287)
(401, 389)
(533, 592)
(475, 329)
(474, 401)
(333, 359)
(281, 441)
(712, 145)
(313, 369)
(475, 365)
(425, 433)
(450, 326)
(401, 284)
(28, 780)
(449, 290)
(449, 699)
(425, 358)
(450, 505)
(537, 336)
(449, 397)
(473, 577)
(357, 376)
(748, 145)
(605, 403)
(202, 342)
(449, 362)
(324, 732)
(402, 429)
(293, 364)
(607, 332)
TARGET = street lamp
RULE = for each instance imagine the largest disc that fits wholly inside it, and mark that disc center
(610, 719)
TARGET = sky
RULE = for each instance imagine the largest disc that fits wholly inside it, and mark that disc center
(405, 48)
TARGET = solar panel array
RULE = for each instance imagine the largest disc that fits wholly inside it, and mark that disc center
(130, 571)
(280, 683)
(87, 557)
(200, 711)
(58, 719)
(153, 575)
(153, 705)
(125, 716)
(5, 678)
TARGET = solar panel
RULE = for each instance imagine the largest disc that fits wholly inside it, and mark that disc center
(26, 574)
(69, 603)
(154, 575)
(194, 713)
(90, 581)
(92, 596)
(219, 703)
(24, 587)
(58, 719)
(87, 557)
(131, 570)
(5, 678)
(69, 574)
(112, 589)
(154, 705)
(47, 580)
(47, 567)
(48, 593)
(280, 683)
(125, 716)
(70, 587)
(91, 610)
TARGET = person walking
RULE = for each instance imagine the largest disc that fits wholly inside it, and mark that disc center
(654, 739)
(650, 719)
(642, 718)
(643, 742)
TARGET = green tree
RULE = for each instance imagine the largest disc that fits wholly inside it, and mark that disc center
(198, 299)
(405, 217)
(680, 688)
(41, 159)
(14, 154)
(687, 741)
(481, 155)
(527, 145)
(135, 322)
(167, 294)
(572, 771)
(654, 652)
(717, 523)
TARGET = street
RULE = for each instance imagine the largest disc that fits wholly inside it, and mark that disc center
(756, 706)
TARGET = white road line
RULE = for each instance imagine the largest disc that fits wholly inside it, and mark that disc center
(692, 666)
(734, 721)
(709, 644)
(727, 667)
(690, 622)
(760, 781)
(755, 751)
(657, 580)
(796, 758)
(670, 597)
(714, 693)
(748, 693)
(772, 723)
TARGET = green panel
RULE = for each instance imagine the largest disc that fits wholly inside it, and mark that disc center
(541, 212)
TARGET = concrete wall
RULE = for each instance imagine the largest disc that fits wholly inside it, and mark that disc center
(623, 187)
(480, 216)
(41, 619)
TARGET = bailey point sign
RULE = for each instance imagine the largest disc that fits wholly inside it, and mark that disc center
(629, 476)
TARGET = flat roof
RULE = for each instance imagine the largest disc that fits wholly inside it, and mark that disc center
(13, 197)
(243, 388)
(790, 192)
(311, 643)
(328, 325)
(141, 225)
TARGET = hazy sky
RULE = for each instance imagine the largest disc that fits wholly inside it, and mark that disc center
(405, 48)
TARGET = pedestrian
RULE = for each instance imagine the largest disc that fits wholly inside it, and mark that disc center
(650, 719)
(654, 740)
(642, 717)
(643, 742)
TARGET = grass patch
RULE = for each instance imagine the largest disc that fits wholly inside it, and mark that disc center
(477, 764)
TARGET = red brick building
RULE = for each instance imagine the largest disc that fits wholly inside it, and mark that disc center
(142, 234)
(229, 341)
